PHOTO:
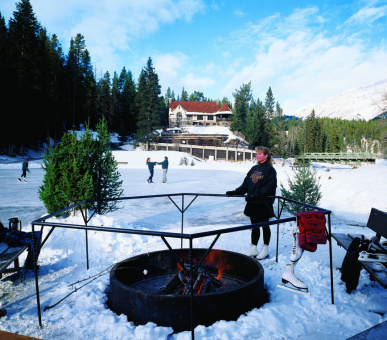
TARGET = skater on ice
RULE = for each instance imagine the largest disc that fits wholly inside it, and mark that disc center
(151, 166)
(164, 166)
(24, 170)
(259, 184)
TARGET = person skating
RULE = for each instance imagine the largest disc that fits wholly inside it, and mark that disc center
(164, 166)
(259, 183)
(24, 170)
(151, 166)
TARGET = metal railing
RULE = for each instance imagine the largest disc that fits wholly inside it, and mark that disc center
(182, 206)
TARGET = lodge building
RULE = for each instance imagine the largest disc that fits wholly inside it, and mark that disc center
(183, 113)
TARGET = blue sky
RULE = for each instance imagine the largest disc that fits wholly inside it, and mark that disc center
(306, 51)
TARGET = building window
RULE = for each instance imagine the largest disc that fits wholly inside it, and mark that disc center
(200, 118)
(210, 117)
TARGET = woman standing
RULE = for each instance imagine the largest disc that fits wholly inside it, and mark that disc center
(164, 166)
(151, 165)
(259, 183)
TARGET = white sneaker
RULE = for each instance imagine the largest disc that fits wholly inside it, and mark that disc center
(289, 277)
(264, 253)
(253, 250)
(297, 250)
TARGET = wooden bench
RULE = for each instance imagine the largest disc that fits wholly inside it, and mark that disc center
(9, 255)
(377, 221)
(124, 163)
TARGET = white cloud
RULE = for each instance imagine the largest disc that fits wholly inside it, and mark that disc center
(193, 82)
(368, 15)
(302, 64)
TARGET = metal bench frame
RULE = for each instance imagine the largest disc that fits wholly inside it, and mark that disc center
(377, 221)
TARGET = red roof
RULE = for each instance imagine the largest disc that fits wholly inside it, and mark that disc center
(203, 107)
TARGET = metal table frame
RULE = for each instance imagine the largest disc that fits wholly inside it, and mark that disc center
(83, 206)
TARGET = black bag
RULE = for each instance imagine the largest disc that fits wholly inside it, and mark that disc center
(350, 269)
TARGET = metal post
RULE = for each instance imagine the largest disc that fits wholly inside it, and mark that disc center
(330, 258)
(182, 219)
(192, 293)
(36, 275)
(87, 240)
(276, 251)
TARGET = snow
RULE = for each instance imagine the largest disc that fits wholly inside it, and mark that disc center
(366, 102)
(349, 192)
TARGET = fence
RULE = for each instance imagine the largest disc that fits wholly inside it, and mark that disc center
(206, 152)
(339, 157)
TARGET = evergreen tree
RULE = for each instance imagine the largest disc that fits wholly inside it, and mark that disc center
(242, 97)
(67, 178)
(197, 97)
(255, 124)
(104, 104)
(25, 69)
(103, 167)
(304, 188)
(269, 128)
(151, 106)
(184, 95)
(76, 170)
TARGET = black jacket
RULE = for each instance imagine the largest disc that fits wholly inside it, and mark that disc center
(259, 183)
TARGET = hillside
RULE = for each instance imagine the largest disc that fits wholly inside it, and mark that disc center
(366, 102)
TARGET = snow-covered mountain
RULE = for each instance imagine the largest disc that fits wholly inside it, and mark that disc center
(366, 102)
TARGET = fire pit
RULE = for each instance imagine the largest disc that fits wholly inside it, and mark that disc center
(155, 287)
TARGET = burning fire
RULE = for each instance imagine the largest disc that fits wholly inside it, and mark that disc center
(207, 278)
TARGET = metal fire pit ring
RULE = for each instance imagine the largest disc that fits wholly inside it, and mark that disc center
(135, 285)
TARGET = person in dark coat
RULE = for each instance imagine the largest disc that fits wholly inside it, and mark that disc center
(164, 166)
(24, 169)
(151, 166)
(259, 183)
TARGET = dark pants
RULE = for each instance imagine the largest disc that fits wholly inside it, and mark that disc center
(24, 174)
(256, 232)
(151, 175)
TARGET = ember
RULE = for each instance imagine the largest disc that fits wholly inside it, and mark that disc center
(204, 279)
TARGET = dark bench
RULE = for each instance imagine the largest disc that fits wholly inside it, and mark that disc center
(9, 255)
(377, 221)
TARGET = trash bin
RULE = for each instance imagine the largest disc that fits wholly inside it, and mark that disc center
(14, 224)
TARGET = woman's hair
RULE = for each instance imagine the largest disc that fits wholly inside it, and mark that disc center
(147, 160)
(265, 151)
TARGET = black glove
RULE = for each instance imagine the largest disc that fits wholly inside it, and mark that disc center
(231, 193)
(251, 198)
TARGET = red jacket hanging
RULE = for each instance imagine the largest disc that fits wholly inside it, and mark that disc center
(311, 225)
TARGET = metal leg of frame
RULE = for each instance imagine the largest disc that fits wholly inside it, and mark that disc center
(330, 257)
(36, 275)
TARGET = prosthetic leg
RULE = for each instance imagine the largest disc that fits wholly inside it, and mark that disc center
(289, 280)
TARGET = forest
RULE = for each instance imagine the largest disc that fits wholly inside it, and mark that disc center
(46, 92)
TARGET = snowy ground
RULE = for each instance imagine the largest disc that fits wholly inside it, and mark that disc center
(349, 193)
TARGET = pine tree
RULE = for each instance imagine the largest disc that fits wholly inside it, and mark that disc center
(76, 170)
(151, 106)
(106, 183)
(184, 95)
(304, 188)
(67, 178)
(26, 80)
(243, 96)
(255, 124)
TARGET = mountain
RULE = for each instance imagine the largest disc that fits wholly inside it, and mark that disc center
(366, 102)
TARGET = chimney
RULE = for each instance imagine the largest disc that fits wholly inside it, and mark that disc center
(170, 100)
(217, 102)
